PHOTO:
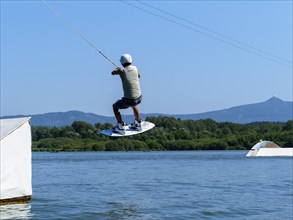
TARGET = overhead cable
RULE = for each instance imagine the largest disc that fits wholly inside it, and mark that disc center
(76, 31)
(215, 32)
(208, 35)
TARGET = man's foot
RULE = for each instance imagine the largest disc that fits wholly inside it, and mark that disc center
(136, 125)
(119, 128)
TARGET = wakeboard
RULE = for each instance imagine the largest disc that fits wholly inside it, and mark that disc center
(145, 125)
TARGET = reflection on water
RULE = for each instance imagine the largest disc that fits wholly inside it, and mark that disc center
(17, 211)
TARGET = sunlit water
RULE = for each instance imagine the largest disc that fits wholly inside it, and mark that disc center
(158, 185)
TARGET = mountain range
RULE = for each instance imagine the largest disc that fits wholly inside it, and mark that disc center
(272, 110)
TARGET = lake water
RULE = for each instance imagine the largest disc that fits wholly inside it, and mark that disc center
(158, 185)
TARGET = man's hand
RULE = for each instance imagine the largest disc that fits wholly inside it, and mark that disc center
(116, 71)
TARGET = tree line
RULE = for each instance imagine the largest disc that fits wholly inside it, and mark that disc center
(169, 134)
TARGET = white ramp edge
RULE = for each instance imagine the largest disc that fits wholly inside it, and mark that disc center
(269, 149)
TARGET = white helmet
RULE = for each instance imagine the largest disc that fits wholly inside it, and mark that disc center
(125, 58)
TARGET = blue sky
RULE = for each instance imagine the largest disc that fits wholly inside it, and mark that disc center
(46, 67)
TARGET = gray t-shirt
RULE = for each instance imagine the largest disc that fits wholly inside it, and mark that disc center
(130, 82)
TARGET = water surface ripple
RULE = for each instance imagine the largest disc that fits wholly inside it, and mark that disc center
(158, 185)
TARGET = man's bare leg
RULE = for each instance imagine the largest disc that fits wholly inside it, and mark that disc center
(117, 114)
(136, 113)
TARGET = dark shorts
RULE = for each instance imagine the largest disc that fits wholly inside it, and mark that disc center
(126, 103)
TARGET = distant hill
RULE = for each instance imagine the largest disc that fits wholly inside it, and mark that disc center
(272, 110)
(60, 119)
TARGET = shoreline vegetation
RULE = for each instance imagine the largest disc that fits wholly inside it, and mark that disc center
(169, 134)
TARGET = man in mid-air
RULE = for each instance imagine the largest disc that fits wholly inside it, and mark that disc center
(132, 94)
